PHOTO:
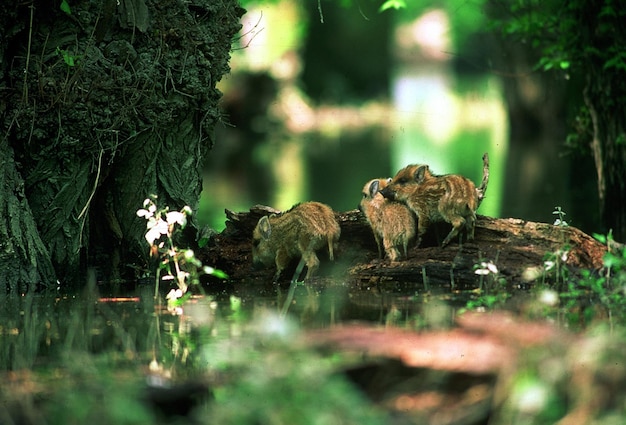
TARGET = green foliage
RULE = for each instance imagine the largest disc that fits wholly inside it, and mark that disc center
(618, 62)
(65, 7)
(92, 392)
(554, 268)
(579, 36)
(279, 382)
(578, 139)
(569, 34)
(560, 221)
(386, 4)
(594, 297)
(492, 291)
(589, 296)
(465, 17)
(392, 4)
(69, 59)
(532, 394)
(577, 299)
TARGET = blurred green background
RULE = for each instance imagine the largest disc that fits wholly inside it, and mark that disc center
(313, 110)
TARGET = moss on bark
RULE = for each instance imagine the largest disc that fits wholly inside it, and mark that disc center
(104, 106)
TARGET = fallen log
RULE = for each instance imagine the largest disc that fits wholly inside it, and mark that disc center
(522, 252)
(477, 371)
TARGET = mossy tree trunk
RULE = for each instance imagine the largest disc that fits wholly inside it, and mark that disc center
(101, 106)
(600, 40)
(608, 145)
(581, 42)
(23, 256)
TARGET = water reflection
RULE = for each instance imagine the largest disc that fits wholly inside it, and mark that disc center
(227, 357)
(41, 329)
(95, 359)
(283, 145)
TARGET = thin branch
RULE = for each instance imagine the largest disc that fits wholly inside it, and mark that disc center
(30, 38)
(319, 9)
(250, 31)
(95, 185)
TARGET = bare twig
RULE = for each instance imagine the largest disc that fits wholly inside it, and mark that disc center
(319, 9)
(30, 38)
(251, 31)
(86, 207)
(95, 185)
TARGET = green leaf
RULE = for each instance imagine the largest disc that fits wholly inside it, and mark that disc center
(599, 237)
(612, 260)
(65, 7)
(215, 272)
(219, 273)
(618, 62)
(607, 10)
(392, 4)
(235, 303)
(69, 59)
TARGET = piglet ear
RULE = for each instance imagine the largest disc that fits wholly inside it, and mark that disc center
(265, 227)
(420, 172)
(374, 186)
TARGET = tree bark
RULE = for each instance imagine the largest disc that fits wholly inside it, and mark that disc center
(24, 260)
(604, 96)
(585, 45)
(516, 247)
(104, 105)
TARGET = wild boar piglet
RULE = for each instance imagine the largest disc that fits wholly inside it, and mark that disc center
(298, 232)
(392, 223)
(451, 198)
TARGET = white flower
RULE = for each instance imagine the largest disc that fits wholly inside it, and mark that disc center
(182, 276)
(530, 398)
(549, 297)
(531, 273)
(155, 366)
(174, 294)
(486, 268)
(176, 217)
(492, 267)
(155, 230)
(144, 213)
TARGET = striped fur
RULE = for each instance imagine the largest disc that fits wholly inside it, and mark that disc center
(299, 232)
(393, 223)
(451, 198)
